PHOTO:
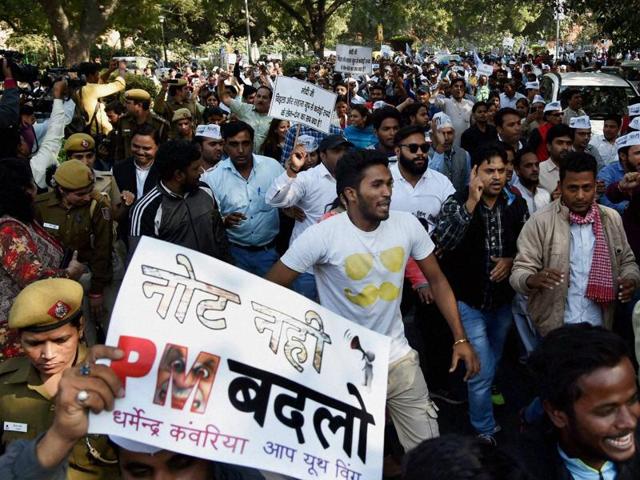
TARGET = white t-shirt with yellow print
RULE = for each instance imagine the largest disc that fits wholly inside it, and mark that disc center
(360, 274)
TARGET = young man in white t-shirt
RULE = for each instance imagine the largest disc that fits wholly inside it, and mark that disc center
(359, 258)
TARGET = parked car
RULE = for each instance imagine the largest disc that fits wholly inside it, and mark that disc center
(602, 93)
(137, 64)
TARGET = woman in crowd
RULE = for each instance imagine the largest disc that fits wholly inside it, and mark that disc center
(360, 131)
(27, 252)
(272, 146)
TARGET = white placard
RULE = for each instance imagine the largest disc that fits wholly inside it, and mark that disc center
(484, 69)
(508, 42)
(302, 102)
(353, 59)
(386, 51)
(223, 365)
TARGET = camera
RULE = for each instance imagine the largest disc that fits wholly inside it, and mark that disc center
(21, 72)
(54, 74)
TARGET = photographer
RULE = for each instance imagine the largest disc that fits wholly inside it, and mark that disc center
(97, 88)
(47, 153)
(10, 100)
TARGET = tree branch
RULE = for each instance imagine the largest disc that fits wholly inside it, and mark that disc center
(334, 7)
(57, 19)
(292, 12)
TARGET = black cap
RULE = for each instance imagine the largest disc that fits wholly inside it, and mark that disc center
(333, 141)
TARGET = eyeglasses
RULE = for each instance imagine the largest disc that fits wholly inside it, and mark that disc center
(413, 147)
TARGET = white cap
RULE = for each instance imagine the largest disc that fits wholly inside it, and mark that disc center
(635, 123)
(309, 142)
(537, 99)
(580, 122)
(634, 110)
(532, 85)
(211, 131)
(302, 69)
(628, 140)
(132, 446)
(553, 107)
(442, 120)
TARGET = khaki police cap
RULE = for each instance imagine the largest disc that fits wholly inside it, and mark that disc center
(79, 142)
(178, 82)
(73, 175)
(46, 304)
(137, 94)
(181, 114)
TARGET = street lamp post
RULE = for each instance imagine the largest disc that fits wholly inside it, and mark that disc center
(246, 14)
(164, 43)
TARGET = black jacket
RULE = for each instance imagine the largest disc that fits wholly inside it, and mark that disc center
(125, 175)
(192, 221)
(537, 452)
(464, 258)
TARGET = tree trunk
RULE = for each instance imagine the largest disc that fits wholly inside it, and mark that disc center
(317, 34)
(78, 30)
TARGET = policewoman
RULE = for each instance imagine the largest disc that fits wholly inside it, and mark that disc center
(48, 317)
(81, 219)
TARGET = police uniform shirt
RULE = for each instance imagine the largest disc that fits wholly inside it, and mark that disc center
(26, 411)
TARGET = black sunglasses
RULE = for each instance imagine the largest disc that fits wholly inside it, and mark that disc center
(413, 147)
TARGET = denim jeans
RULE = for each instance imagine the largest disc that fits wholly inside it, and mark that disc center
(257, 262)
(487, 331)
(305, 285)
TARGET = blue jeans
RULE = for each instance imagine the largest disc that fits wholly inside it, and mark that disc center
(487, 331)
(305, 285)
(258, 262)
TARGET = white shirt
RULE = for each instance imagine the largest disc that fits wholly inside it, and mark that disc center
(534, 202)
(606, 149)
(549, 175)
(141, 177)
(360, 274)
(460, 113)
(506, 102)
(425, 199)
(47, 154)
(313, 191)
(579, 308)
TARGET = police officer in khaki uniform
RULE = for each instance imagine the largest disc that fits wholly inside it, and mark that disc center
(182, 125)
(178, 98)
(80, 218)
(48, 317)
(81, 146)
(138, 104)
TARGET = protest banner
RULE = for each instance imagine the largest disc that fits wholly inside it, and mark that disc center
(508, 42)
(302, 102)
(224, 365)
(484, 69)
(353, 59)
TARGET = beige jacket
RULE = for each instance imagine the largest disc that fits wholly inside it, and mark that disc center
(544, 243)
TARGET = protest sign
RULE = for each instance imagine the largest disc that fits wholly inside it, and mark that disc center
(484, 69)
(224, 365)
(353, 60)
(386, 51)
(302, 102)
(508, 42)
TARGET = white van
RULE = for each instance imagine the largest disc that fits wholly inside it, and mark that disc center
(602, 93)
